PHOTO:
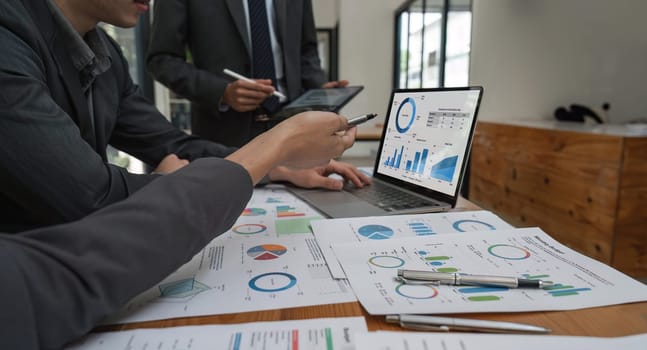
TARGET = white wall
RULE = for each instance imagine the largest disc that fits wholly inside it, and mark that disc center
(365, 55)
(530, 55)
(534, 55)
(326, 13)
(366, 52)
(365, 48)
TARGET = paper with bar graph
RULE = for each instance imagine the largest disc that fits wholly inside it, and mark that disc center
(314, 334)
(273, 212)
(579, 282)
(332, 231)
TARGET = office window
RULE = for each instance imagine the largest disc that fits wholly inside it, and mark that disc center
(129, 40)
(432, 43)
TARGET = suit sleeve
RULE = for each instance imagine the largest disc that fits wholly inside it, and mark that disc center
(46, 168)
(59, 282)
(166, 59)
(312, 76)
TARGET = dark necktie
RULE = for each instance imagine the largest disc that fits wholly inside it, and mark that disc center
(263, 58)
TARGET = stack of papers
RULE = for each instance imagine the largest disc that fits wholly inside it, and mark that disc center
(529, 253)
(315, 334)
(271, 259)
(457, 341)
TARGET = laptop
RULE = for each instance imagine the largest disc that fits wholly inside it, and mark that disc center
(421, 160)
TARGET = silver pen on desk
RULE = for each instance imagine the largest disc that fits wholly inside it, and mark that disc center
(233, 74)
(446, 324)
(361, 119)
(457, 279)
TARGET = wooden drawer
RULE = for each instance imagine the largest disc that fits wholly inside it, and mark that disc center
(587, 190)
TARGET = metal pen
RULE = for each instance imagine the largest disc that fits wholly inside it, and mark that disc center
(446, 324)
(233, 74)
(361, 119)
(457, 279)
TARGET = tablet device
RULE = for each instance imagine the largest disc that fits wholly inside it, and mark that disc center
(331, 100)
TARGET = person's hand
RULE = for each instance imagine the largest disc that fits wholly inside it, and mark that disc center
(244, 96)
(335, 84)
(306, 140)
(169, 164)
(318, 177)
(312, 138)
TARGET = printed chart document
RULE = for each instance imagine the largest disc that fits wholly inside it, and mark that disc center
(273, 212)
(529, 253)
(380, 228)
(464, 341)
(315, 334)
(268, 260)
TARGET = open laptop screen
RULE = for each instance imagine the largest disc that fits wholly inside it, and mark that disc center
(427, 136)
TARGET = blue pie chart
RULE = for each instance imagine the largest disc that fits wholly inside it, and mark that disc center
(376, 232)
(272, 282)
(404, 118)
(471, 225)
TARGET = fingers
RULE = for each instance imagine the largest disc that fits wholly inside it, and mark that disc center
(328, 183)
(260, 86)
(347, 139)
(349, 172)
(308, 139)
(244, 96)
(170, 163)
(335, 84)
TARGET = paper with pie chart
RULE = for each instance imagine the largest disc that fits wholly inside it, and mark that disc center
(273, 212)
(378, 228)
(579, 281)
(231, 276)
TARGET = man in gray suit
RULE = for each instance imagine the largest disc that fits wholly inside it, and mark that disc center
(65, 95)
(221, 34)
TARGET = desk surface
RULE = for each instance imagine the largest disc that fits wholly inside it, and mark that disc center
(370, 132)
(608, 321)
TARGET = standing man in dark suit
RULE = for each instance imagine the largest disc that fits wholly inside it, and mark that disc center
(221, 34)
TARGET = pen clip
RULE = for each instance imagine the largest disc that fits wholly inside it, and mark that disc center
(416, 282)
(423, 327)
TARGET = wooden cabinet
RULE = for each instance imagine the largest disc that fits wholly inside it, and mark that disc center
(585, 186)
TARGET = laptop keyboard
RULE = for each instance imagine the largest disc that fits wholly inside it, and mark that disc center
(387, 197)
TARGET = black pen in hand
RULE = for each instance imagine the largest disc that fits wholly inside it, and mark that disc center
(356, 121)
(360, 119)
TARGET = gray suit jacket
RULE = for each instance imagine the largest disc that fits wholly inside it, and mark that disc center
(215, 33)
(53, 164)
(57, 283)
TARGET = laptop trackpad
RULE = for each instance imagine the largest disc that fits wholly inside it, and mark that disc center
(339, 204)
